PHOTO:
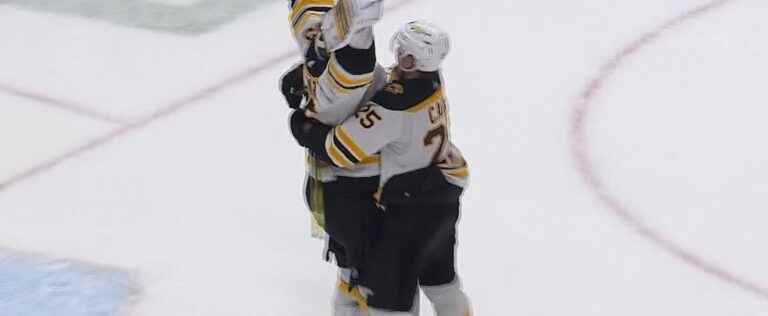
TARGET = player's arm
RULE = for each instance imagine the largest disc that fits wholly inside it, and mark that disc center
(348, 75)
(377, 124)
(351, 56)
(350, 143)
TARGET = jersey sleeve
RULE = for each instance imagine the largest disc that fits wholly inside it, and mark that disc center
(375, 125)
(363, 134)
(348, 75)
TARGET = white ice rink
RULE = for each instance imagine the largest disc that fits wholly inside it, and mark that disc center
(617, 149)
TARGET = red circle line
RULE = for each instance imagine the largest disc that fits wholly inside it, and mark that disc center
(580, 153)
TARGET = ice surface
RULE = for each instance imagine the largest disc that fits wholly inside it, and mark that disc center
(33, 286)
(206, 204)
(31, 133)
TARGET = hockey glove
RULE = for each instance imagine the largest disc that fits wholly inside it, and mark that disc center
(348, 17)
(310, 133)
(292, 86)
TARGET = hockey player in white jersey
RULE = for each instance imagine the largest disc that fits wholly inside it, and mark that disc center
(338, 74)
(422, 176)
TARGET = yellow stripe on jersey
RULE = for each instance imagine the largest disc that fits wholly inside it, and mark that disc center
(337, 86)
(371, 160)
(336, 156)
(308, 17)
(459, 173)
(301, 5)
(437, 96)
(347, 80)
(349, 144)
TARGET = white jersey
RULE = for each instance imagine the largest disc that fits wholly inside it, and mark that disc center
(337, 84)
(408, 123)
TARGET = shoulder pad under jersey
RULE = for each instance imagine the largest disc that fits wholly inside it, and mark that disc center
(401, 95)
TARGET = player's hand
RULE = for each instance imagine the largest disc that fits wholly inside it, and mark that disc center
(301, 127)
(368, 13)
(292, 86)
(308, 132)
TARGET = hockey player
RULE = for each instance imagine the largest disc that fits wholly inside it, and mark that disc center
(338, 74)
(422, 176)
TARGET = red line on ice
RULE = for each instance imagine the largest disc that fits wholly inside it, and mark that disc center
(163, 112)
(62, 105)
(580, 152)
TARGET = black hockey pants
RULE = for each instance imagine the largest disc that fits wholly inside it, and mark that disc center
(416, 240)
(351, 218)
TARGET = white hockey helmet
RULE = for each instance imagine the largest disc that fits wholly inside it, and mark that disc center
(425, 41)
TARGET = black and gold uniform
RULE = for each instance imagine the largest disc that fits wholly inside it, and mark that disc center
(331, 85)
(422, 177)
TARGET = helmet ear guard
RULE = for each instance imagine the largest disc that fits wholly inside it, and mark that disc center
(425, 41)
